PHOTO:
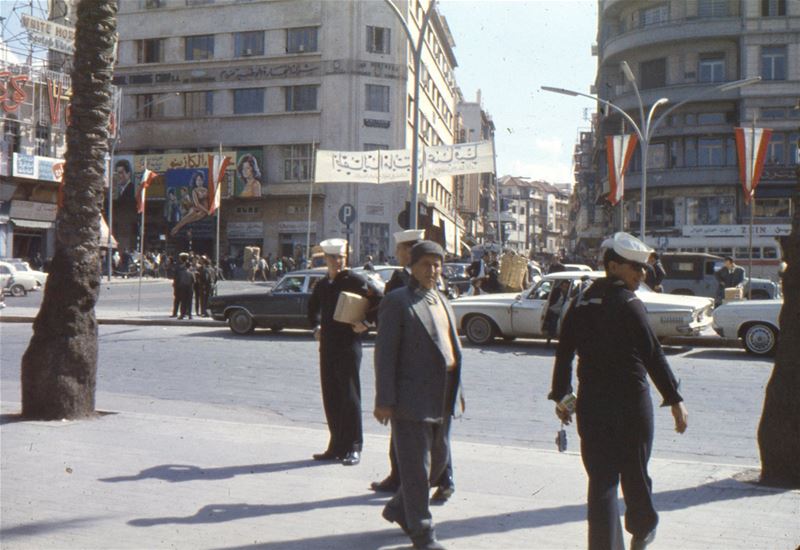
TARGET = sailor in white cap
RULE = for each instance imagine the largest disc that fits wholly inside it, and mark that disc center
(404, 242)
(607, 327)
(340, 353)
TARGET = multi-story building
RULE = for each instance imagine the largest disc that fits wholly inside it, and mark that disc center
(535, 216)
(475, 193)
(679, 50)
(588, 218)
(268, 82)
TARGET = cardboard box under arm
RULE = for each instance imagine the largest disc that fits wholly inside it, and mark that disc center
(351, 308)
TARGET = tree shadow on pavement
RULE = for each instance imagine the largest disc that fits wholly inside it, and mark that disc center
(177, 473)
(41, 527)
(260, 335)
(388, 539)
(220, 513)
(729, 355)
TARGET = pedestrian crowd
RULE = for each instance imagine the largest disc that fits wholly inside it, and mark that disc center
(418, 388)
(194, 279)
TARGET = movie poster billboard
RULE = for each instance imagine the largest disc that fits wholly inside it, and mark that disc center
(186, 204)
(123, 176)
(249, 173)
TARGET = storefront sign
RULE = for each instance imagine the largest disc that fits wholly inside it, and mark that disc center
(245, 230)
(27, 210)
(50, 35)
(759, 230)
(35, 167)
(296, 227)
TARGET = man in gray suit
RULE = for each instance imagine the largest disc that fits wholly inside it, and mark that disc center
(417, 385)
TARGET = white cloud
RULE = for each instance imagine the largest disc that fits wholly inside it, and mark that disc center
(551, 172)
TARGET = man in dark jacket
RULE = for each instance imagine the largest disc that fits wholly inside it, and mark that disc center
(183, 284)
(729, 275)
(417, 388)
(607, 326)
(655, 273)
(340, 353)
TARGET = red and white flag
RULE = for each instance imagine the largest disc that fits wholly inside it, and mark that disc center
(751, 146)
(217, 164)
(619, 150)
(141, 193)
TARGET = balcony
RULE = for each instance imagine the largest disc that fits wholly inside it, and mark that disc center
(677, 30)
(675, 93)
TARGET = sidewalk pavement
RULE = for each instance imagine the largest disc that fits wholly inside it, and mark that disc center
(166, 474)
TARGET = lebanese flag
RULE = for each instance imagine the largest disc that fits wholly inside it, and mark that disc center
(619, 150)
(217, 164)
(751, 164)
(147, 177)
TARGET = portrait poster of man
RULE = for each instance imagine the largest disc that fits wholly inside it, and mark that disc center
(249, 173)
(122, 176)
(186, 201)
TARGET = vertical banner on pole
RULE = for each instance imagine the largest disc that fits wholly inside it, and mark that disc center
(619, 151)
(217, 165)
(751, 146)
(141, 195)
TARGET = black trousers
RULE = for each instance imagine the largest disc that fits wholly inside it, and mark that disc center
(444, 480)
(185, 300)
(616, 440)
(341, 396)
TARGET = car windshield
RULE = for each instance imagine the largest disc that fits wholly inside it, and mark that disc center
(290, 284)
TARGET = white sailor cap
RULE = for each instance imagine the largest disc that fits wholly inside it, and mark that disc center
(409, 235)
(334, 247)
(629, 247)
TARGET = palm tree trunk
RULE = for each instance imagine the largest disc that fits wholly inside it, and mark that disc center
(779, 429)
(60, 365)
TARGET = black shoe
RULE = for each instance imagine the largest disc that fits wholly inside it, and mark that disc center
(388, 485)
(428, 544)
(442, 494)
(174, 315)
(352, 458)
(327, 455)
(393, 517)
(181, 318)
(640, 543)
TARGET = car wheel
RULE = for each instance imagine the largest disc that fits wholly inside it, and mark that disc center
(760, 339)
(240, 322)
(479, 330)
(18, 291)
(276, 328)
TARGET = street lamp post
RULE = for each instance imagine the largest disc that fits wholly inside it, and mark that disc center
(417, 45)
(647, 126)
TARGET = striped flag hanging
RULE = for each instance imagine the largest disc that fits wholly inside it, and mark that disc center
(751, 146)
(141, 192)
(217, 164)
(619, 150)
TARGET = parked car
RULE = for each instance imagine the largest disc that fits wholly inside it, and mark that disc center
(755, 322)
(17, 283)
(577, 267)
(381, 275)
(482, 318)
(457, 278)
(693, 274)
(22, 265)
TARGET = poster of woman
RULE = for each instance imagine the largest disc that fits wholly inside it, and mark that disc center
(187, 198)
(248, 174)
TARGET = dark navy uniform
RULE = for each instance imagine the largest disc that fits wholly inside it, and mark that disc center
(399, 279)
(340, 359)
(607, 326)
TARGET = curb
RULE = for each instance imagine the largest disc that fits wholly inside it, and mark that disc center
(135, 322)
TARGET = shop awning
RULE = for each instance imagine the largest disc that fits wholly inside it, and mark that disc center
(32, 224)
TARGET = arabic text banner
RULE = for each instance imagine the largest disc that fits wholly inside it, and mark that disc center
(395, 165)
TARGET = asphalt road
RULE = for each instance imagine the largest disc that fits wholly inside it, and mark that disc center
(274, 378)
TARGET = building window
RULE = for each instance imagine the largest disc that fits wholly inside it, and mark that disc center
(773, 208)
(378, 39)
(149, 106)
(710, 152)
(199, 47)
(11, 135)
(301, 40)
(713, 8)
(297, 160)
(773, 63)
(690, 152)
(773, 8)
(660, 213)
(150, 50)
(301, 98)
(653, 74)
(711, 69)
(710, 210)
(776, 149)
(710, 118)
(376, 147)
(248, 100)
(198, 104)
(43, 141)
(246, 44)
(377, 98)
(655, 15)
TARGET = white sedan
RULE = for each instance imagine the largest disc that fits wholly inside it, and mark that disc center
(754, 321)
(482, 318)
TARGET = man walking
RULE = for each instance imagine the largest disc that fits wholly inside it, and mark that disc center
(340, 353)
(417, 383)
(607, 326)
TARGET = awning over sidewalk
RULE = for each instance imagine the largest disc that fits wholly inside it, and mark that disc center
(32, 224)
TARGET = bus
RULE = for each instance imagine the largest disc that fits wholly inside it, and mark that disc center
(766, 261)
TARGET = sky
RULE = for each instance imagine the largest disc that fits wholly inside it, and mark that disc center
(509, 49)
